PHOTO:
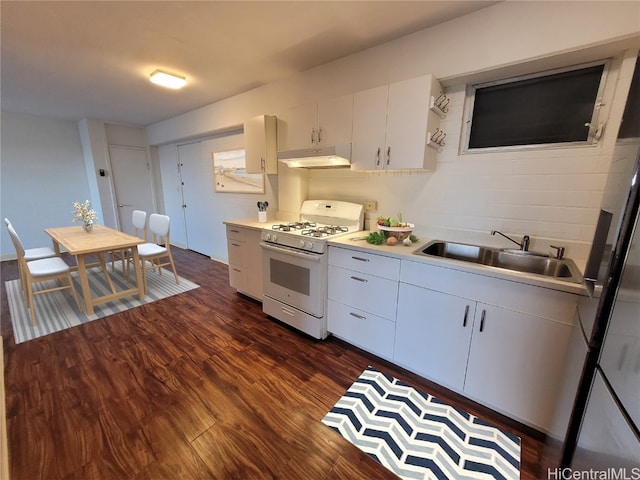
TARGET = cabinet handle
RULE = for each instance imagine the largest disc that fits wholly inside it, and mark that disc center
(262, 164)
(359, 317)
(319, 135)
(378, 157)
(466, 315)
(484, 313)
(358, 279)
(360, 259)
(235, 244)
(233, 231)
(388, 155)
(236, 270)
(313, 136)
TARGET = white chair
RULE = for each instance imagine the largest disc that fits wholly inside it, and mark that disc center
(158, 249)
(35, 271)
(139, 221)
(30, 254)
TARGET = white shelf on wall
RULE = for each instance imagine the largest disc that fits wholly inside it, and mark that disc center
(439, 105)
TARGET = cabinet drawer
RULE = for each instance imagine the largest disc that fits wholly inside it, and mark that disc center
(237, 252)
(370, 332)
(235, 233)
(363, 291)
(379, 265)
(237, 276)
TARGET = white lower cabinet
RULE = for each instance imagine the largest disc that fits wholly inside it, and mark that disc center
(498, 342)
(363, 296)
(515, 362)
(510, 359)
(245, 260)
(433, 332)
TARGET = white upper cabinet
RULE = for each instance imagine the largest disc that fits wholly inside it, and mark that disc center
(321, 124)
(369, 128)
(391, 124)
(260, 139)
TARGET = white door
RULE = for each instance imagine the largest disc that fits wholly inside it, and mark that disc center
(132, 183)
(172, 190)
(196, 172)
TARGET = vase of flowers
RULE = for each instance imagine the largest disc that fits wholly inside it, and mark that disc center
(82, 212)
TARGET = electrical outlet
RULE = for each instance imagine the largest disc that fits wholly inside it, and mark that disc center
(370, 205)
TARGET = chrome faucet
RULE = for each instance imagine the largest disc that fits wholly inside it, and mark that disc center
(524, 245)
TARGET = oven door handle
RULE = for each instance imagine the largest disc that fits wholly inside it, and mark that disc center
(287, 251)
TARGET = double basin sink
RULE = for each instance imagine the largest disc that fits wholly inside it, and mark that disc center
(508, 259)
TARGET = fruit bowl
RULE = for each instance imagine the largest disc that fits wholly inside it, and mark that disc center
(399, 232)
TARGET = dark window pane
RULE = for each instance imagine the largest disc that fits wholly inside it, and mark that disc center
(630, 127)
(550, 109)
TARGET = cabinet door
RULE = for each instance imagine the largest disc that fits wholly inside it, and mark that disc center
(260, 145)
(516, 362)
(245, 260)
(236, 254)
(407, 113)
(369, 126)
(253, 262)
(433, 331)
(335, 121)
(297, 127)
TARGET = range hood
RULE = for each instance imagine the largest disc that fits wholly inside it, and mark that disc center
(317, 157)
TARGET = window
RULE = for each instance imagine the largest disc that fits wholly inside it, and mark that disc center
(630, 127)
(549, 108)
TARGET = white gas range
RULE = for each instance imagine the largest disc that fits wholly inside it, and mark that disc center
(294, 259)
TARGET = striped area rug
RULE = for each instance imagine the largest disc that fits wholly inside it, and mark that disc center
(417, 436)
(57, 310)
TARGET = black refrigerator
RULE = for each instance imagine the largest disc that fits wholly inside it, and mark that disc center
(602, 407)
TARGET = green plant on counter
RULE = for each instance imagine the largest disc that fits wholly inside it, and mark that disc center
(376, 238)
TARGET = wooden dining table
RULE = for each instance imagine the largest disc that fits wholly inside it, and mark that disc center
(98, 242)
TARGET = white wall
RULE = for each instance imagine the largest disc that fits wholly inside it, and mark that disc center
(42, 173)
(544, 193)
(206, 209)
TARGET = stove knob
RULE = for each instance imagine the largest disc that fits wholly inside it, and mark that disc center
(302, 243)
(267, 237)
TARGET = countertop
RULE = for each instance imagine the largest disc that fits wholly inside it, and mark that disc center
(357, 241)
(252, 223)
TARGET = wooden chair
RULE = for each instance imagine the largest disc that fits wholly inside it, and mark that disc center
(152, 253)
(139, 221)
(30, 254)
(35, 271)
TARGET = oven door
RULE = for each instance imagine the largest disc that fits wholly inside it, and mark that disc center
(294, 277)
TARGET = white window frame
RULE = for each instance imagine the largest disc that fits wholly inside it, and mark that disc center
(595, 125)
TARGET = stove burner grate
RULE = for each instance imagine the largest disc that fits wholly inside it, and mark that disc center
(287, 227)
(324, 231)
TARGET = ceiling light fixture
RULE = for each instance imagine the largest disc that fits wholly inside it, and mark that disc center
(168, 80)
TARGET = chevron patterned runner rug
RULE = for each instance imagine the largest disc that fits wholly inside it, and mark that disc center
(57, 310)
(417, 436)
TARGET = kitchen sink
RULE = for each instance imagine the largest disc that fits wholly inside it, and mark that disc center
(507, 259)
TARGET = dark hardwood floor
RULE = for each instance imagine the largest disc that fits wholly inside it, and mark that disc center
(196, 386)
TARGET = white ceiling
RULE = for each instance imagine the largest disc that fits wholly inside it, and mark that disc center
(92, 59)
